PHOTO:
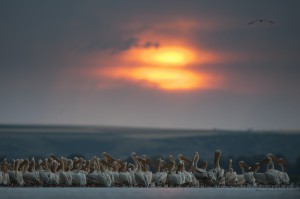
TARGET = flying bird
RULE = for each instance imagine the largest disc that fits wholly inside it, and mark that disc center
(261, 20)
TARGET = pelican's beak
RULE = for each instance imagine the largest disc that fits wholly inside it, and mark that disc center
(108, 157)
(185, 159)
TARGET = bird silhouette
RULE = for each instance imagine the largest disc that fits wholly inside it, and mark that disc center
(261, 20)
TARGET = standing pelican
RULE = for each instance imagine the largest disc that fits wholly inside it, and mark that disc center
(15, 176)
(147, 163)
(174, 179)
(284, 177)
(271, 175)
(195, 182)
(230, 175)
(65, 178)
(131, 169)
(140, 176)
(159, 177)
(249, 175)
(188, 175)
(78, 176)
(98, 175)
(124, 175)
(92, 176)
(204, 177)
(217, 171)
(260, 178)
(29, 176)
(45, 173)
(5, 176)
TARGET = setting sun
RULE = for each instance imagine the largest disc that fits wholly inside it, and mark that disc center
(163, 56)
(171, 56)
(164, 68)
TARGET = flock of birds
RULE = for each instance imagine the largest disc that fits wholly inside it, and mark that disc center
(111, 172)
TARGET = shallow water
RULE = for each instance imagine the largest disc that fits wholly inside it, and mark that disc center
(145, 193)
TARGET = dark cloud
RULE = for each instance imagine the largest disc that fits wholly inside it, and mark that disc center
(115, 46)
(151, 44)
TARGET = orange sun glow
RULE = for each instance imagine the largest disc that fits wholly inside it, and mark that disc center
(163, 78)
(166, 68)
(167, 56)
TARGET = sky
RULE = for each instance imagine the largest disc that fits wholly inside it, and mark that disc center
(166, 64)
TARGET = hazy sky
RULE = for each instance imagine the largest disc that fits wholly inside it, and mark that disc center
(178, 64)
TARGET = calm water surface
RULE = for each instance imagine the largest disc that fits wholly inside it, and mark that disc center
(145, 193)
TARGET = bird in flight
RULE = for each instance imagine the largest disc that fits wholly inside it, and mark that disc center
(261, 20)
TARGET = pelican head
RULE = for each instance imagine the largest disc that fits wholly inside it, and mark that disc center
(133, 154)
(217, 153)
(255, 167)
(108, 157)
(183, 158)
(204, 165)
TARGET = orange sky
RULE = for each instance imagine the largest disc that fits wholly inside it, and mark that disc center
(161, 61)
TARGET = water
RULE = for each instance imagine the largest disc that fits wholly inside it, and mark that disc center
(147, 193)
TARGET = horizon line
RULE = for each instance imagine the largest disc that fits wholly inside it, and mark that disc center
(68, 126)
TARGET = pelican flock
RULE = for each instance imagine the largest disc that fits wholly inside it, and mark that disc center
(108, 171)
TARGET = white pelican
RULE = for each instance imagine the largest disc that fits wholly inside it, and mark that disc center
(195, 182)
(97, 175)
(65, 177)
(173, 178)
(141, 176)
(115, 165)
(180, 172)
(230, 175)
(91, 178)
(249, 175)
(217, 171)
(260, 178)
(271, 175)
(188, 175)
(78, 176)
(284, 177)
(124, 175)
(29, 176)
(203, 176)
(159, 177)
(45, 173)
(147, 164)
(5, 176)
(54, 176)
(130, 169)
(106, 177)
(16, 176)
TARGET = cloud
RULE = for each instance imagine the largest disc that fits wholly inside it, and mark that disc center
(149, 44)
(118, 45)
